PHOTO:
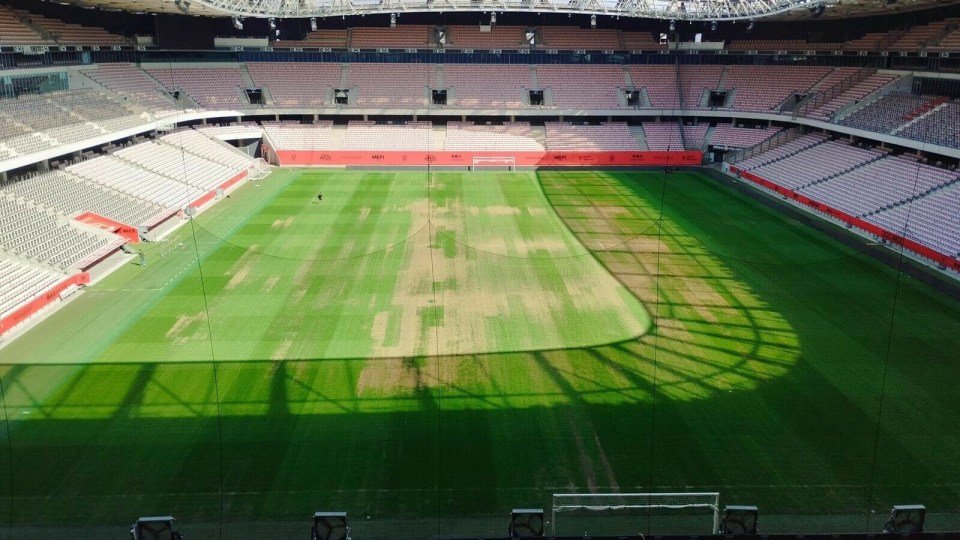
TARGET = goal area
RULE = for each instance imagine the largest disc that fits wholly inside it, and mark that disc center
(494, 162)
(626, 513)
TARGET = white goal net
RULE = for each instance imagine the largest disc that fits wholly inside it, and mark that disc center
(681, 513)
(499, 162)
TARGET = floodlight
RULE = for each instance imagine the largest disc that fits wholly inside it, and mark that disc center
(493, 18)
(237, 23)
(593, 21)
(393, 20)
(673, 25)
(313, 24)
(749, 26)
(713, 26)
(273, 23)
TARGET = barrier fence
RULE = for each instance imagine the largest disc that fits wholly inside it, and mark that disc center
(942, 259)
(465, 159)
(50, 296)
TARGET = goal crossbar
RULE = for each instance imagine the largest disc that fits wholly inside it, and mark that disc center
(566, 502)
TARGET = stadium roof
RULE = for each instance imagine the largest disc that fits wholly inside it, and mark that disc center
(697, 10)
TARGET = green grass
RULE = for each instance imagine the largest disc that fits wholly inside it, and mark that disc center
(432, 351)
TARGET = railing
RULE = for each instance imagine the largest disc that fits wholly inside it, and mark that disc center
(938, 37)
(876, 95)
(770, 143)
(822, 97)
(891, 38)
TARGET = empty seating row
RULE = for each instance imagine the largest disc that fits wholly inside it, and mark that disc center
(739, 137)
(815, 164)
(136, 181)
(37, 234)
(21, 282)
(511, 136)
(70, 195)
(878, 185)
(609, 136)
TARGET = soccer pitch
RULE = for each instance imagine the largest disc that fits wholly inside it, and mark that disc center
(431, 348)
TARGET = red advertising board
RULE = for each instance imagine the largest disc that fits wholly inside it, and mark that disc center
(466, 159)
(889, 236)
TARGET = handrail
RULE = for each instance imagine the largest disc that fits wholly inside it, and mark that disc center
(822, 97)
(769, 143)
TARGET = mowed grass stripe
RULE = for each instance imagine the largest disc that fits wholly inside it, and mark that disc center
(760, 378)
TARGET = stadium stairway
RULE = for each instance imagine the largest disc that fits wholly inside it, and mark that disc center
(247, 79)
(722, 81)
(540, 134)
(640, 136)
(919, 118)
(79, 79)
(851, 108)
(344, 75)
(708, 136)
(29, 24)
(438, 137)
(337, 133)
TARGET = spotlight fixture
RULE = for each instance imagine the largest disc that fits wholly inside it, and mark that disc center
(713, 26)
(593, 21)
(313, 24)
(273, 23)
(493, 18)
(818, 10)
(673, 25)
(749, 26)
(393, 20)
(238, 23)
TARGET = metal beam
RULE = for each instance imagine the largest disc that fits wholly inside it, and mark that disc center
(689, 10)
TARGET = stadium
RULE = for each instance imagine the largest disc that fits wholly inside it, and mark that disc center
(479, 269)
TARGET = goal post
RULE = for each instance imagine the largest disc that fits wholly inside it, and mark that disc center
(510, 162)
(703, 508)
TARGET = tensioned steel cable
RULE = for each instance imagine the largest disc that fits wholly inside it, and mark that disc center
(6, 424)
(210, 340)
(871, 481)
(438, 327)
(656, 337)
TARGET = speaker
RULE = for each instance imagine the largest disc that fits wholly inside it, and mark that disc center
(906, 518)
(526, 523)
(330, 526)
(738, 520)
